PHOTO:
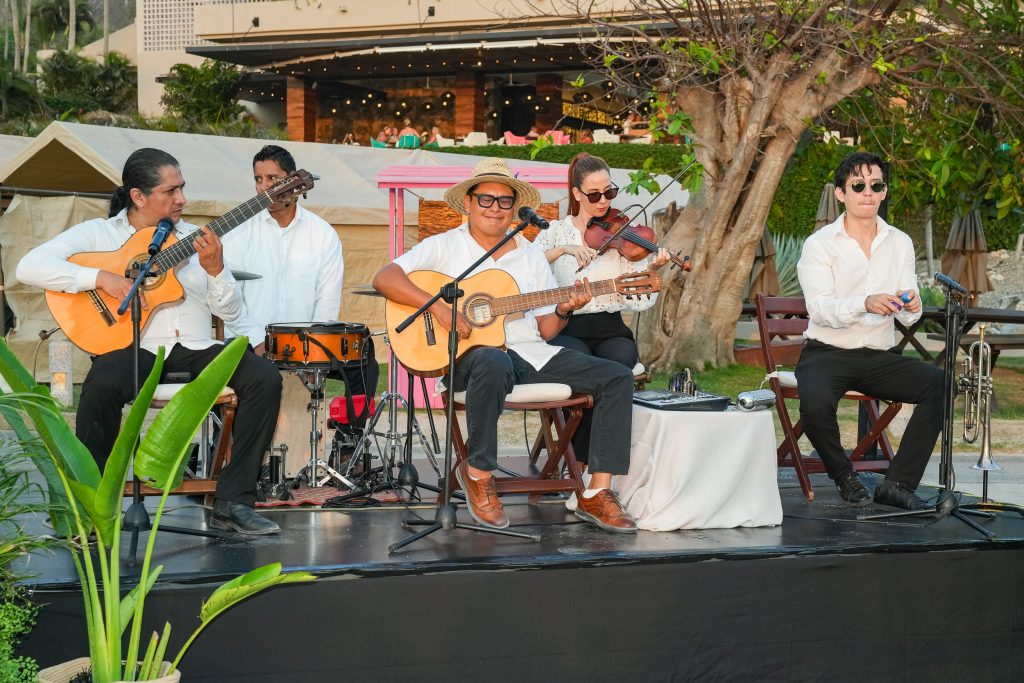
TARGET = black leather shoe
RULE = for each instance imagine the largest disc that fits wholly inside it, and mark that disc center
(233, 516)
(852, 491)
(898, 495)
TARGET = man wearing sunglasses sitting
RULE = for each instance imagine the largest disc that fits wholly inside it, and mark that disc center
(857, 274)
(490, 200)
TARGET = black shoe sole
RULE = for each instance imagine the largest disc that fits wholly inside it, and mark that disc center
(227, 525)
(586, 517)
(866, 501)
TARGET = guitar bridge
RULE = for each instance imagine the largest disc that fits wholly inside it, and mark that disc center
(428, 325)
(101, 306)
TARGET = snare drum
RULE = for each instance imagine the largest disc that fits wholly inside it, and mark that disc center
(311, 345)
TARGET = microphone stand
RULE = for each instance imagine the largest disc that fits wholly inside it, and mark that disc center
(445, 515)
(948, 503)
(136, 517)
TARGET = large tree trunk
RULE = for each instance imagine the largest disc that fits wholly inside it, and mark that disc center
(7, 35)
(745, 131)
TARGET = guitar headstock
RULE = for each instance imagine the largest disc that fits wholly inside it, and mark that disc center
(286, 189)
(633, 284)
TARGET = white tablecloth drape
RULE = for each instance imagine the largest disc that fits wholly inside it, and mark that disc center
(701, 470)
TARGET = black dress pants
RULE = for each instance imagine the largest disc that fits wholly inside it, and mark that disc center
(621, 350)
(824, 373)
(109, 387)
(488, 375)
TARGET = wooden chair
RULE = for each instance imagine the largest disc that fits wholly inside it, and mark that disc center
(552, 401)
(207, 484)
(782, 317)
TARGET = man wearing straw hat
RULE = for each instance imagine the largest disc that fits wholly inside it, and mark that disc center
(490, 200)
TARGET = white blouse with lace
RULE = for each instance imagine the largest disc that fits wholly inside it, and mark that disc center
(607, 266)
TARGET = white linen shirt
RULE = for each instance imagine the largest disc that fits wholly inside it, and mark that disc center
(837, 277)
(453, 251)
(607, 266)
(187, 322)
(301, 267)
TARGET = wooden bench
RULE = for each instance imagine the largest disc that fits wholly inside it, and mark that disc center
(998, 342)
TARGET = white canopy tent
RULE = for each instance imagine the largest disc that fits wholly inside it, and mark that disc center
(76, 158)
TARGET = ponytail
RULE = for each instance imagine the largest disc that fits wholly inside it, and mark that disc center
(118, 201)
(580, 167)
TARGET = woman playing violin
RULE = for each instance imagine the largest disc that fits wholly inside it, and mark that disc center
(596, 329)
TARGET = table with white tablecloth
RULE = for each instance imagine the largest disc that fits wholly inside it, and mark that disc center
(701, 470)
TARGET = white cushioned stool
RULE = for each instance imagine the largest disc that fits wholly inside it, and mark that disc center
(560, 413)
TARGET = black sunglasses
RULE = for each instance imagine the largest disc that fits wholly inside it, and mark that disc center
(486, 201)
(859, 185)
(595, 196)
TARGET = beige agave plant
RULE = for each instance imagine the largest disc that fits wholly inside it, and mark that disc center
(84, 500)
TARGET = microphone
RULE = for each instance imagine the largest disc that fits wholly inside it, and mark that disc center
(529, 215)
(164, 228)
(950, 282)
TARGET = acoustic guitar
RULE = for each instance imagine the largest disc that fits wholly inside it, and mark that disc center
(490, 296)
(90, 319)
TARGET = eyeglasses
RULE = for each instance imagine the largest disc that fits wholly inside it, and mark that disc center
(859, 185)
(486, 201)
(595, 196)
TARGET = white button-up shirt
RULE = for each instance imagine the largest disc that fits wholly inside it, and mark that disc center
(837, 277)
(187, 322)
(301, 267)
(453, 251)
(607, 266)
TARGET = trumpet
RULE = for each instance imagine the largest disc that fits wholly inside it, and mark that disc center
(976, 384)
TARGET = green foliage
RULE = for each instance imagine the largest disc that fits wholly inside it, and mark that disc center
(51, 19)
(796, 199)
(18, 95)
(207, 93)
(787, 253)
(93, 500)
(17, 617)
(74, 83)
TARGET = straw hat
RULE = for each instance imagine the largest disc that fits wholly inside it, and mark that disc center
(493, 171)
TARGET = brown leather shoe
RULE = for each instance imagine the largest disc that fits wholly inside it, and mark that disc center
(605, 510)
(482, 499)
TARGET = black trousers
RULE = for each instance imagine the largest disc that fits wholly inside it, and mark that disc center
(824, 373)
(109, 386)
(621, 350)
(488, 375)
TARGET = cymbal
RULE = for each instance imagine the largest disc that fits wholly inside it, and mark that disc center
(242, 275)
(365, 290)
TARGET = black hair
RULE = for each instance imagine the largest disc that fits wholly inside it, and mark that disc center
(142, 172)
(850, 165)
(580, 167)
(279, 155)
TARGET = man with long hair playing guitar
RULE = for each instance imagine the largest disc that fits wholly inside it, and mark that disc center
(153, 189)
(490, 200)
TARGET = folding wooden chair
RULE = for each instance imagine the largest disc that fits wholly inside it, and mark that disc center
(790, 320)
(554, 402)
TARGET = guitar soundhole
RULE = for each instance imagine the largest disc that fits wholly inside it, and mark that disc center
(479, 313)
(156, 277)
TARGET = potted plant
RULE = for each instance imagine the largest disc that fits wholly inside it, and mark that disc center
(87, 503)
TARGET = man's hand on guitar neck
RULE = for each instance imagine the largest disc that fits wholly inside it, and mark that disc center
(210, 250)
(117, 287)
(580, 297)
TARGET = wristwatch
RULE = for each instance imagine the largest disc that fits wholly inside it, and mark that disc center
(563, 317)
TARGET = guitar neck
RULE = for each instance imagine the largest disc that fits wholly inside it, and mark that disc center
(518, 303)
(183, 250)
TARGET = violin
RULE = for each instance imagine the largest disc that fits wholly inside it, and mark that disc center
(634, 242)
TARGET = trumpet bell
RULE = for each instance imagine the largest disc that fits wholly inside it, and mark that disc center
(987, 464)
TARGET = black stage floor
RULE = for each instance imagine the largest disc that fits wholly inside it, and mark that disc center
(821, 597)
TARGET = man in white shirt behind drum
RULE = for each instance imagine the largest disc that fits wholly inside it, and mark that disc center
(297, 254)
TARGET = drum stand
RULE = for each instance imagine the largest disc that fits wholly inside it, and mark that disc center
(314, 379)
(392, 402)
